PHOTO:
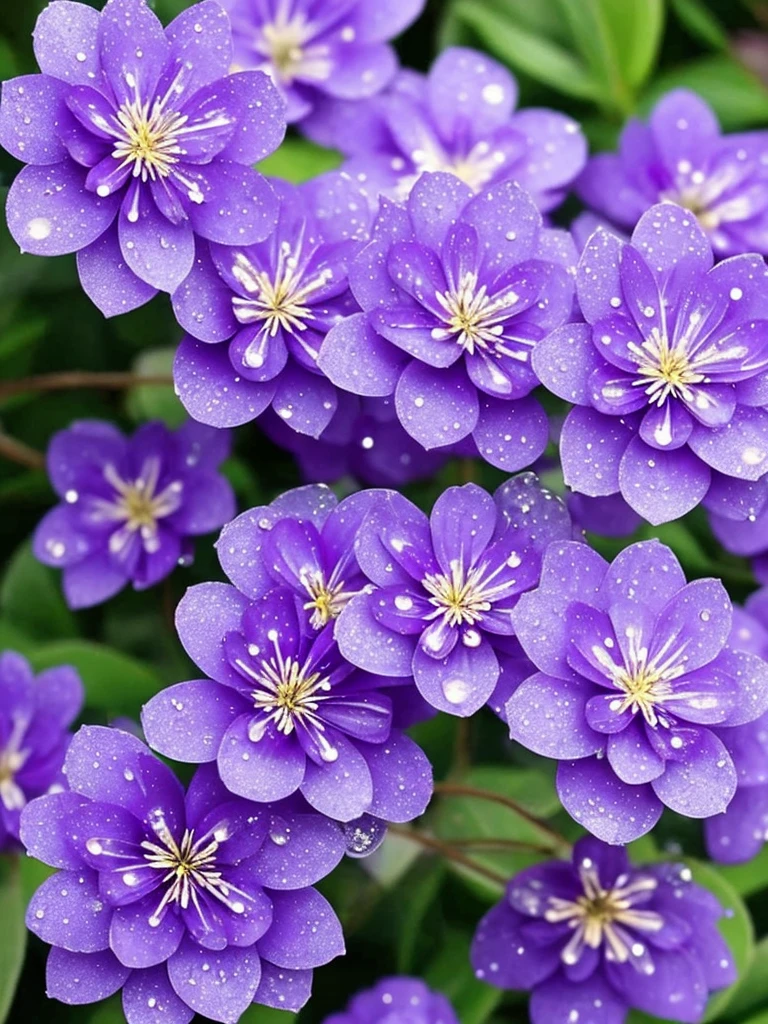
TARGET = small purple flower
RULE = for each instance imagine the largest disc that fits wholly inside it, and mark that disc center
(597, 937)
(668, 375)
(608, 515)
(397, 1000)
(130, 506)
(283, 712)
(739, 833)
(636, 681)
(136, 140)
(461, 119)
(257, 314)
(315, 50)
(679, 156)
(169, 895)
(364, 440)
(445, 587)
(457, 290)
(35, 715)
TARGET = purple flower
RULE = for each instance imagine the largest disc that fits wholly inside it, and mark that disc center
(608, 515)
(137, 139)
(282, 712)
(739, 833)
(669, 372)
(445, 587)
(311, 51)
(395, 1000)
(747, 535)
(130, 506)
(636, 681)
(169, 895)
(364, 440)
(35, 715)
(257, 314)
(460, 118)
(597, 937)
(679, 156)
(457, 291)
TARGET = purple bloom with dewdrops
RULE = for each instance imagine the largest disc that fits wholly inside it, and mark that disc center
(739, 833)
(679, 156)
(596, 937)
(130, 506)
(460, 118)
(36, 712)
(457, 291)
(636, 686)
(137, 139)
(445, 586)
(257, 315)
(397, 1000)
(669, 373)
(314, 50)
(282, 711)
(189, 903)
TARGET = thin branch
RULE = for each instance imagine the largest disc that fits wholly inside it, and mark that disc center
(73, 379)
(20, 453)
(448, 852)
(459, 789)
(513, 845)
(467, 471)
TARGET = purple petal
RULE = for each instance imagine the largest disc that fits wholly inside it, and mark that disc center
(646, 574)
(556, 150)
(187, 722)
(107, 279)
(492, 212)
(135, 942)
(92, 581)
(67, 911)
(359, 360)
(58, 540)
(361, 71)
(751, 672)
(305, 931)
(435, 203)
(31, 108)
(597, 279)
(738, 449)
(599, 801)
(698, 618)
(370, 645)
(219, 984)
(44, 830)
(158, 252)
(306, 401)
(204, 616)
(341, 789)
(469, 88)
(738, 834)
(564, 361)
(682, 123)
(678, 979)
(511, 435)
(462, 523)
(436, 406)
(239, 206)
(668, 235)
(201, 37)
(591, 449)
(500, 956)
(632, 757)
(661, 486)
(282, 989)
(265, 770)
(559, 1001)
(129, 70)
(459, 683)
(402, 779)
(202, 304)
(148, 998)
(210, 388)
(79, 978)
(302, 849)
(66, 42)
(548, 716)
(704, 783)
(50, 212)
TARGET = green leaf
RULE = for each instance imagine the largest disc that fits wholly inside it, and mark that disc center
(33, 874)
(749, 878)
(31, 600)
(108, 1012)
(752, 990)
(299, 160)
(531, 54)
(265, 1015)
(155, 401)
(114, 683)
(13, 938)
(451, 973)
(701, 23)
(738, 97)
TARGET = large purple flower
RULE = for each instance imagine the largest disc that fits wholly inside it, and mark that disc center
(597, 937)
(312, 49)
(257, 314)
(679, 156)
(445, 587)
(189, 903)
(35, 716)
(397, 1000)
(669, 372)
(740, 833)
(457, 291)
(636, 681)
(459, 118)
(136, 140)
(130, 506)
(284, 712)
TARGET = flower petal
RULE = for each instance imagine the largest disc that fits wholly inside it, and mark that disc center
(701, 785)
(210, 388)
(599, 801)
(305, 931)
(341, 789)
(548, 716)
(662, 486)
(188, 721)
(265, 770)
(221, 984)
(436, 406)
(78, 978)
(402, 779)
(148, 998)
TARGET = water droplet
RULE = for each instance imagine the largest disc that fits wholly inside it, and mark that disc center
(456, 690)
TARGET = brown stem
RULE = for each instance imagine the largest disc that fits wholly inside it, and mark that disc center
(448, 852)
(460, 789)
(467, 471)
(20, 453)
(73, 379)
(515, 845)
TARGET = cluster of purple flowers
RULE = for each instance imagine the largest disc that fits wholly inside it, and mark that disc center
(378, 321)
